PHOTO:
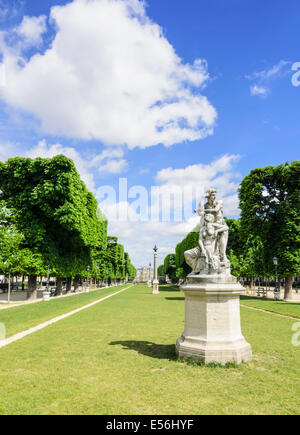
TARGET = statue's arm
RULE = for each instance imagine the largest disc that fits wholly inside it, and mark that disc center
(216, 209)
(200, 208)
(220, 228)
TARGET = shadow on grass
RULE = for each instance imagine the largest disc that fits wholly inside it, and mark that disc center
(153, 350)
(211, 365)
(175, 299)
(166, 351)
(169, 288)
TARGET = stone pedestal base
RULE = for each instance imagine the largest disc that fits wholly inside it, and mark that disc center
(212, 321)
(46, 296)
(155, 287)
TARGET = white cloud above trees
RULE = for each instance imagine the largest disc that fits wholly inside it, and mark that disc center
(109, 74)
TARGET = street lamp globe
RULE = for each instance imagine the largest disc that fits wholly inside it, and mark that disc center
(275, 261)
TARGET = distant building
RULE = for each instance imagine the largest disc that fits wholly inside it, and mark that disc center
(142, 274)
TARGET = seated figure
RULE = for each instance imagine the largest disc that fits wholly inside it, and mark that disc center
(209, 257)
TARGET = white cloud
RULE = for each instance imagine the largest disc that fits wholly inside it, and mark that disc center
(84, 166)
(217, 174)
(113, 166)
(260, 91)
(263, 78)
(110, 74)
(114, 163)
(31, 30)
(271, 73)
(7, 150)
(108, 153)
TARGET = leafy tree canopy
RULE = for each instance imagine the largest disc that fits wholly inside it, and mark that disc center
(270, 204)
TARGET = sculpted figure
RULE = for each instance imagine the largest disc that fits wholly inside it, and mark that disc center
(210, 255)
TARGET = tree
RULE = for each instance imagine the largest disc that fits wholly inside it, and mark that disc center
(245, 252)
(189, 242)
(55, 213)
(270, 203)
(170, 267)
(161, 271)
(129, 268)
(10, 242)
(16, 260)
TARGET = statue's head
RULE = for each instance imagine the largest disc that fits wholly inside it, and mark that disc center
(211, 194)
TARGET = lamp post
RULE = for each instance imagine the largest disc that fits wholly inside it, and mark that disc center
(277, 289)
(46, 293)
(155, 280)
(149, 280)
(9, 289)
(87, 287)
(9, 286)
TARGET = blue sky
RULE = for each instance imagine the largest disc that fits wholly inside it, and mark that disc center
(240, 98)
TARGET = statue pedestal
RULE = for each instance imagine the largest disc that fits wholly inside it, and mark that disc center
(155, 287)
(212, 330)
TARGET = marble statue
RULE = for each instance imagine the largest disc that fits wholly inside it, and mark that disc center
(212, 326)
(209, 257)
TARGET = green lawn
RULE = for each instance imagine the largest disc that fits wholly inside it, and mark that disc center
(281, 307)
(17, 319)
(118, 357)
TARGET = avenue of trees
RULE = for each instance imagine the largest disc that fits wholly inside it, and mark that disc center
(48, 217)
(269, 227)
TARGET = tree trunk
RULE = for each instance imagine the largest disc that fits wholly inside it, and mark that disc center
(288, 288)
(31, 289)
(59, 282)
(23, 286)
(69, 285)
(76, 284)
